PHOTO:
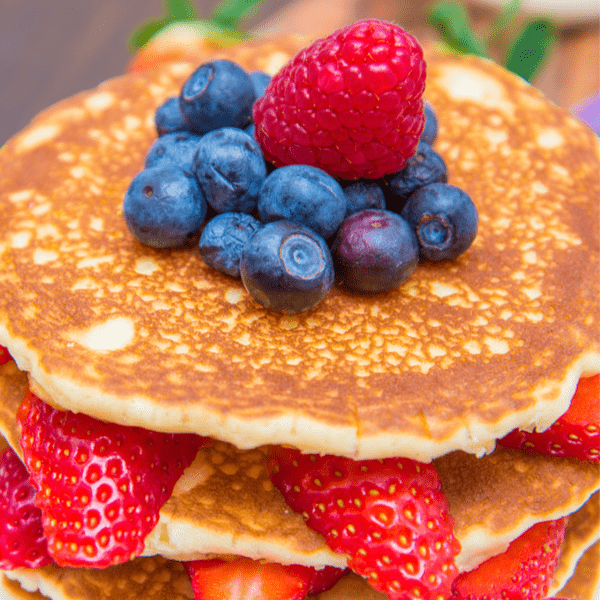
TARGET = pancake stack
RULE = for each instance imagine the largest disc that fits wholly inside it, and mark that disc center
(436, 370)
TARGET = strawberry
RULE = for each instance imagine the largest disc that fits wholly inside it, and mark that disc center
(576, 433)
(523, 572)
(22, 541)
(99, 485)
(4, 355)
(246, 579)
(388, 516)
(350, 104)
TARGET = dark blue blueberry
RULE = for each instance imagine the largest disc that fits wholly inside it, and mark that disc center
(168, 118)
(250, 130)
(218, 94)
(361, 195)
(425, 167)
(163, 207)
(444, 218)
(223, 239)
(375, 251)
(287, 267)
(260, 81)
(430, 131)
(303, 194)
(230, 169)
(177, 149)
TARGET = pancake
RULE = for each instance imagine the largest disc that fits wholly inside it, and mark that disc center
(462, 353)
(225, 503)
(156, 578)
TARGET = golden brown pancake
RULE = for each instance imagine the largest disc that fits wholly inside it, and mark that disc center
(462, 353)
(225, 502)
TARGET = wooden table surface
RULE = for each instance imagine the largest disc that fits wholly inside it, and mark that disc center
(51, 50)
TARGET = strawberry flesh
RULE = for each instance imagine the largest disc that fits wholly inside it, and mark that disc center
(388, 516)
(4, 355)
(22, 541)
(576, 433)
(524, 572)
(99, 485)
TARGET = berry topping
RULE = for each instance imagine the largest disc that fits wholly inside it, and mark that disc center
(99, 485)
(246, 579)
(523, 572)
(575, 434)
(168, 117)
(218, 94)
(163, 207)
(4, 355)
(177, 149)
(425, 167)
(349, 104)
(223, 240)
(375, 251)
(444, 218)
(303, 194)
(430, 130)
(388, 516)
(287, 267)
(362, 195)
(230, 170)
(260, 81)
(22, 541)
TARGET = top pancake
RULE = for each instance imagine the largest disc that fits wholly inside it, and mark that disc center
(462, 353)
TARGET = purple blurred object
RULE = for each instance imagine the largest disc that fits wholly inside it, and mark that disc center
(589, 112)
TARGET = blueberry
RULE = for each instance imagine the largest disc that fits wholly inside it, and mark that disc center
(168, 118)
(425, 167)
(218, 94)
(361, 195)
(304, 194)
(444, 218)
(287, 267)
(230, 169)
(223, 239)
(177, 149)
(260, 81)
(430, 131)
(163, 207)
(250, 130)
(375, 251)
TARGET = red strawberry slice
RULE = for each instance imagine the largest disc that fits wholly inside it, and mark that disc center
(4, 355)
(246, 579)
(349, 104)
(22, 541)
(576, 433)
(389, 516)
(523, 572)
(99, 485)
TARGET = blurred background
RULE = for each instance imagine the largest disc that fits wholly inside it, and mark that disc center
(52, 49)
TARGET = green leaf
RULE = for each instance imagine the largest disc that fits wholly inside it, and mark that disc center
(229, 13)
(530, 47)
(181, 10)
(452, 22)
(143, 33)
(502, 22)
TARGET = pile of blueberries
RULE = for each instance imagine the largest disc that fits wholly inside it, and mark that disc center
(287, 232)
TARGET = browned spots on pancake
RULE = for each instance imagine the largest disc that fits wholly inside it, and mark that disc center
(158, 339)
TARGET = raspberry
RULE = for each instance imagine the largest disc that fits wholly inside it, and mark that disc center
(349, 104)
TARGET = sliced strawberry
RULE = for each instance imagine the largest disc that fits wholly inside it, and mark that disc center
(324, 579)
(22, 541)
(523, 572)
(99, 485)
(246, 579)
(389, 516)
(575, 434)
(4, 355)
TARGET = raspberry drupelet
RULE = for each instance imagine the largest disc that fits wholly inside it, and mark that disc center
(350, 104)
